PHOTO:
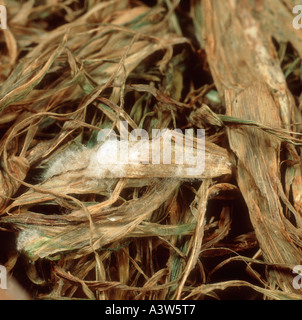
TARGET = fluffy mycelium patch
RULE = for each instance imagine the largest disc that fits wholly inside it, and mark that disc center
(71, 159)
(29, 240)
(113, 157)
(158, 157)
(108, 159)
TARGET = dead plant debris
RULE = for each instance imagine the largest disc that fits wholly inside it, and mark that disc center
(71, 228)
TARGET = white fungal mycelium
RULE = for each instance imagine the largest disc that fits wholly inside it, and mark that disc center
(107, 159)
(71, 159)
(113, 158)
(26, 238)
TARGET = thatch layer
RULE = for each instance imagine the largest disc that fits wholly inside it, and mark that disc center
(85, 230)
